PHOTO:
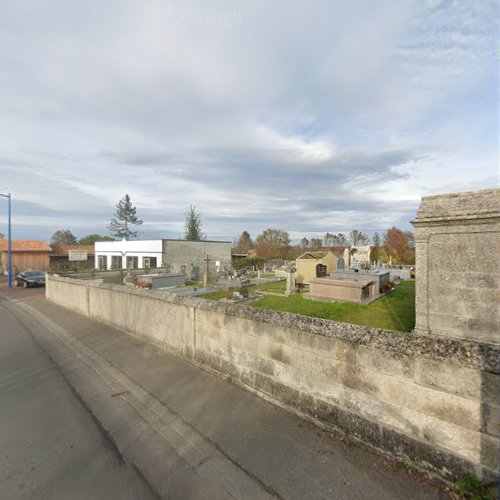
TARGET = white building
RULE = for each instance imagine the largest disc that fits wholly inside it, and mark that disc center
(181, 256)
(135, 254)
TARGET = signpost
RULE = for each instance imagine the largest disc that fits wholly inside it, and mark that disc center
(77, 255)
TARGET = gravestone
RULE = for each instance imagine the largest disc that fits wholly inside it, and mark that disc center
(340, 263)
(346, 257)
(290, 284)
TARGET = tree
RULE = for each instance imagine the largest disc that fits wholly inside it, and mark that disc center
(328, 239)
(192, 227)
(400, 245)
(90, 239)
(342, 240)
(273, 244)
(304, 242)
(358, 238)
(63, 237)
(278, 236)
(375, 250)
(244, 243)
(316, 242)
(124, 216)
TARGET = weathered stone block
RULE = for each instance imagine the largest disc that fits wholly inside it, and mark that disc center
(437, 404)
(458, 440)
(490, 418)
(450, 378)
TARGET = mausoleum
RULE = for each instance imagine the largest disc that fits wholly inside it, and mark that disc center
(312, 265)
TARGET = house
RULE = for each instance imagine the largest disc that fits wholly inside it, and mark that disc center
(72, 257)
(180, 256)
(312, 265)
(26, 254)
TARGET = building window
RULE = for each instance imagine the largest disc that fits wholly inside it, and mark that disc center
(132, 262)
(116, 262)
(102, 262)
(149, 262)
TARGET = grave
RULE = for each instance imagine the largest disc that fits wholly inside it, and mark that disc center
(163, 280)
(290, 284)
(342, 290)
(380, 276)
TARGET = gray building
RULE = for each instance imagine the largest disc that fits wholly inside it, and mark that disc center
(188, 257)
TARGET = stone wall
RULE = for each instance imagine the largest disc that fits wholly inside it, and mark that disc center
(458, 265)
(431, 401)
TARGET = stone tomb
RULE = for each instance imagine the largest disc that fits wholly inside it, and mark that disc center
(380, 276)
(163, 280)
(342, 290)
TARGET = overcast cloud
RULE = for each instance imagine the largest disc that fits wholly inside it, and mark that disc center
(307, 116)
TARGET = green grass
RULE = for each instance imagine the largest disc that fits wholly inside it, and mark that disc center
(473, 488)
(395, 311)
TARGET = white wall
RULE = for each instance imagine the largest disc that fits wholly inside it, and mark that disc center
(136, 248)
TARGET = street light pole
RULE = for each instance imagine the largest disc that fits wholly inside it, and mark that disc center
(9, 233)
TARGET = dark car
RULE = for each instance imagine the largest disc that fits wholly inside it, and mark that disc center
(30, 278)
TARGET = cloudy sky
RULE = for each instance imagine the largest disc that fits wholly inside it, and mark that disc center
(308, 116)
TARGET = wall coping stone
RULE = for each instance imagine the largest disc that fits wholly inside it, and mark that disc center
(468, 207)
(469, 353)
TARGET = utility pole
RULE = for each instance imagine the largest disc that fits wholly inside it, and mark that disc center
(9, 232)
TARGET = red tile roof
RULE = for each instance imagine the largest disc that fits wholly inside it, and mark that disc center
(25, 246)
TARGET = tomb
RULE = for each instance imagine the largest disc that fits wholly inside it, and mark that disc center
(342, 290)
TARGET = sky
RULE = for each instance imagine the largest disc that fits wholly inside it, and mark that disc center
(313, 117)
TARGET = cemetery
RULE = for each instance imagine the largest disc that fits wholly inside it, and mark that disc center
(414, 374)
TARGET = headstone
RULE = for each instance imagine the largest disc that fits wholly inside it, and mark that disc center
(259, 273)
(346, 257)
(290, 284)
(340, 263)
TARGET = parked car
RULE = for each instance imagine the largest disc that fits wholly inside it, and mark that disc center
(30, 278)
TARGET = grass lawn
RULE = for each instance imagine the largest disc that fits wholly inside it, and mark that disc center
(395, 311)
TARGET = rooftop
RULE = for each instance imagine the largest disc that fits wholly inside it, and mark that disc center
(25, 246)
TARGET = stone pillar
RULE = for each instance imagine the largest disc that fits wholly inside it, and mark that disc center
(290, 284)
(205, 279)
(458, 265)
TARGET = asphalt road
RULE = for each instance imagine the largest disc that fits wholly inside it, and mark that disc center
(90, 412)
(50, 444)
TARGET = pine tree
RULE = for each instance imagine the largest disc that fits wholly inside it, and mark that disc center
(193, 226)
(244, 243)
(125, 215)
